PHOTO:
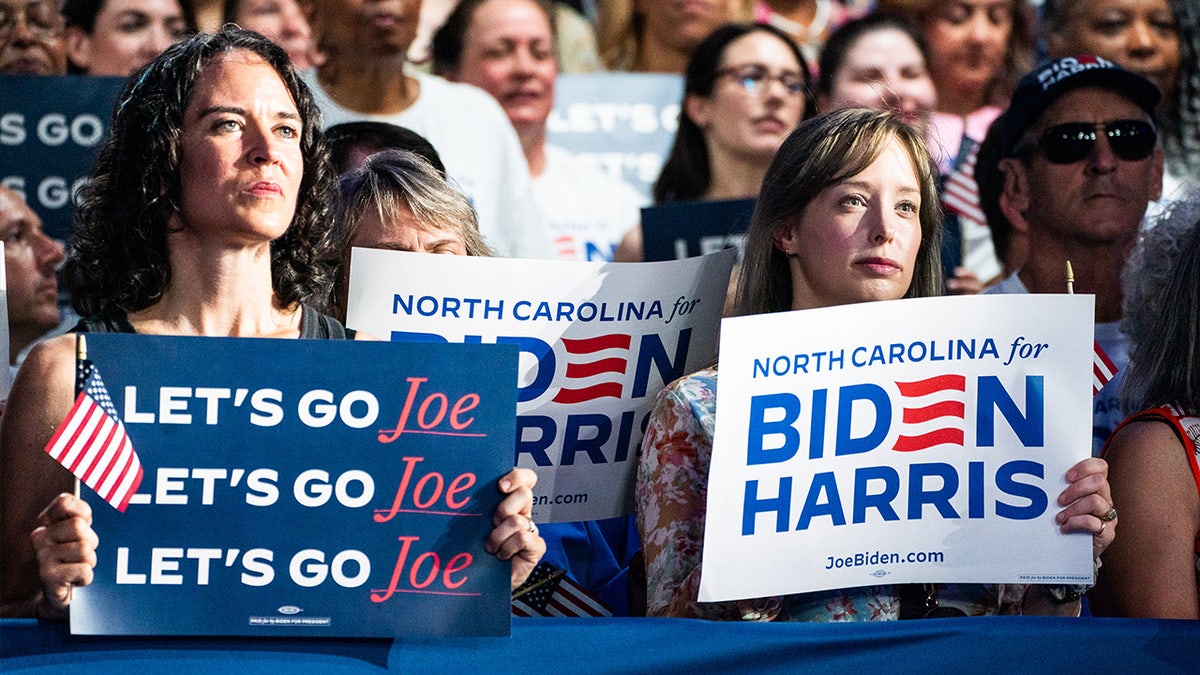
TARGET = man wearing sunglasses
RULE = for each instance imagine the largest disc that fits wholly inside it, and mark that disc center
(1081, 162)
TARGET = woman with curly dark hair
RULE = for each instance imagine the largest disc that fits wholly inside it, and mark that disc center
(206, 215)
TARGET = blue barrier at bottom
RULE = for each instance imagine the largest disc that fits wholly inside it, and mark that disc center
(987, 644)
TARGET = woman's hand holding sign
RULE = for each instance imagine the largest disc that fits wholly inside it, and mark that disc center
(515, 536)
(1089, 505)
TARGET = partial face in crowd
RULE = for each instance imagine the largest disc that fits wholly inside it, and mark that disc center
(366, 27)
(884, 69)
(1140, 35)
(31, 38)
(283, 22)
(756, 101)
(30, 259)
(967, 41)
(508, 51)
(126, 36)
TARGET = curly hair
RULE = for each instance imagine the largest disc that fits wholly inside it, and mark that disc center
(1180, 119)
(821, 152)
(1161, 311)
(119, 252)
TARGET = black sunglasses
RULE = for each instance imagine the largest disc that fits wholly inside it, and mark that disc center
(1131, 140)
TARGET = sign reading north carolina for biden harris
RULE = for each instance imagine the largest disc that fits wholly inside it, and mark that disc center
(898, 442)
(597, 341)
(304, 488)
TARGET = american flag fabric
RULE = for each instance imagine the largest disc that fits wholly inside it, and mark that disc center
(91, 442)
(960, 195)
(550, 592)
(1103, 369)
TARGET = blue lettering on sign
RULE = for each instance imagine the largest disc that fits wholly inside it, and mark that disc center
(774, 437)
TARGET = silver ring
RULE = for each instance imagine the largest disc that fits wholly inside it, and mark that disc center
(1110, 516)
(532, 527)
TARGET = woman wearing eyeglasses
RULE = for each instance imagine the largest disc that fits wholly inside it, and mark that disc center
(746, 89)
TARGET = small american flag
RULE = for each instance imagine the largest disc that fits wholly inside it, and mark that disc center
(961, 193)
(550, 592)
(91, 442)
(1103, 369)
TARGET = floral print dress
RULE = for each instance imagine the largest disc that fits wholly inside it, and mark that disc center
(672, 489)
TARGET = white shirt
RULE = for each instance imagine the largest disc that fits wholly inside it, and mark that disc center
(481, 153)
(586, 210)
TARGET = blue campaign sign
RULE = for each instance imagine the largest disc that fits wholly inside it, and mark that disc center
(304, 488)
(50, 131)
(689, 229)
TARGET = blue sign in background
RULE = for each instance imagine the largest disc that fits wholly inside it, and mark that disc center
(248, 506)
(688, 229)
(50, 131)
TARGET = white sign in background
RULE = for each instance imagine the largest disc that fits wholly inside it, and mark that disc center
(598, 341)
(943, 430)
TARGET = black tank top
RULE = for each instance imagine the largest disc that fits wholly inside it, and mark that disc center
(313, 324)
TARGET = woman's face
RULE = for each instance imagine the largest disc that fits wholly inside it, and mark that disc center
(240, 157)
(857, 241)
(406, 233)
(281, 21)
(508, 51)
(967, 42)
(364, 27)
(751, 109)
(884, 70)
(127, 35)
(682, 24)
(1141, 35)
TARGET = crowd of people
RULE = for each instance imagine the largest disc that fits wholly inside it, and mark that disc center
(895, 149)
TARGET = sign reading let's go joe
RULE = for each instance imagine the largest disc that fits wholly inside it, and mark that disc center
(597, 341)
(304, 488)
(898, 442)
(50, 131)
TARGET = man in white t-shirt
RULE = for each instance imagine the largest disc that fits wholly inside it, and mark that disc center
(1081, 163)
(363, 78)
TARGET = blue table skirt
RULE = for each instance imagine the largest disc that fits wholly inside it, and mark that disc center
(990, 644)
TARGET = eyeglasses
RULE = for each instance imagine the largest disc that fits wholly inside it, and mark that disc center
(754, 78)
(1131, 140)
(42, 19)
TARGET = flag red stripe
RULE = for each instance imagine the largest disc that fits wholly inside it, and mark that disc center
(933, 384)
(924, 441)
(929, 412)
(611, 365)
(595, 391)
(596, 344)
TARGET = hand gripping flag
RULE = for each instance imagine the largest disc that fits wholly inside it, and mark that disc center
(91, 442)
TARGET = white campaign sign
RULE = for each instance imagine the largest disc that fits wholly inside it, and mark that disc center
(898, 442)
(598, 341)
